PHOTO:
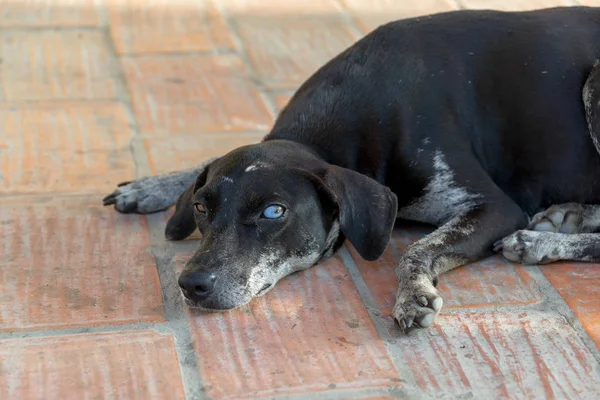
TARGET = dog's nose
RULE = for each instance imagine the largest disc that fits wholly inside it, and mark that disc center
(197, 285)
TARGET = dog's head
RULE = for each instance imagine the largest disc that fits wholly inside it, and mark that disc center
(268, 210)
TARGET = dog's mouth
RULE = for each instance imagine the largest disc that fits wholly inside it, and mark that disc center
(197, 305)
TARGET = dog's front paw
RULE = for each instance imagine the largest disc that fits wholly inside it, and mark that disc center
(141, 196)
(417, 304)
(525, 247)
(561, 218)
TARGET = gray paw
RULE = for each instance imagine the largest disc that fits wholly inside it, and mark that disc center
(561, 218)
(417, 304)
(526, 247)
(142, 196)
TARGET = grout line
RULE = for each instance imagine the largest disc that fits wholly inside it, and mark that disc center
(158, 327)
(381, 324)
(175, 311)
(56, 102)
(102, 13)
(269, 102)
(49, 28)
(196, 53)
(82, 194)
(123, 90)
(232, 26)
(557, 304)
(343, 394)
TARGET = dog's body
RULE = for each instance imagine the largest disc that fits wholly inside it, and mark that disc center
(475, 120)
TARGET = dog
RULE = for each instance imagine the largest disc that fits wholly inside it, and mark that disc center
(472, 121)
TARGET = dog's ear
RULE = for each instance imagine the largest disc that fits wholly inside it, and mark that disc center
(182, 224)
(367, 209)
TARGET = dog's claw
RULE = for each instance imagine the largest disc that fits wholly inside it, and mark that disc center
(498, 244)
(110, 199)
(423, 300)
(401, 324)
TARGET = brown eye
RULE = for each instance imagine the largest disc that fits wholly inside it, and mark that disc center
(200, 208)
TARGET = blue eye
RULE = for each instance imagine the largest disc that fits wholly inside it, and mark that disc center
(273, 212)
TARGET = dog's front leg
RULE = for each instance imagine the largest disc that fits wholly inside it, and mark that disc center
(153, 193)
(467, 237)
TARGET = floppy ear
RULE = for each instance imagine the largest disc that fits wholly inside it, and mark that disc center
(367, 209)
(182, 224)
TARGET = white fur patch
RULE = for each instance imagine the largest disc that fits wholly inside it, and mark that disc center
(442, 198)
(255, 166)
(267, 272)
(227, 179)
(333, 235)
(588, 95)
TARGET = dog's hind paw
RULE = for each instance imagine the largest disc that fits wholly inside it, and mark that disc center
(142, 196)
(528, 247)
(560, 218)
(417, 305)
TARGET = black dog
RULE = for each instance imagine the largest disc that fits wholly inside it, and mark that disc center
(472, 121)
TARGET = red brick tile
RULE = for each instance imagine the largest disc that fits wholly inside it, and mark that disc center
(497, 355)
(180, 152)
(286, 52)
(194, 94)
(47, 13)
(281, 8)
(371, 14)
(309, 332)
(579, 285)
(514, 5)
(56, 65)
(76, 147)
(133, 365)
(164, 26)
(491, 282)
(68, 263)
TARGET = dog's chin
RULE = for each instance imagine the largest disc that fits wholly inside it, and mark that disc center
(196, 305)
(211, 308)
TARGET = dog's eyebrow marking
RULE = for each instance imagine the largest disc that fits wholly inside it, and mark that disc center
(227, 179)
(255, 166)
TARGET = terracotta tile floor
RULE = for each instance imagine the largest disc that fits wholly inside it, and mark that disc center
(94, 92)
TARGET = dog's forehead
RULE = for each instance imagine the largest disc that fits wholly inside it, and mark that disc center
(253, 180)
